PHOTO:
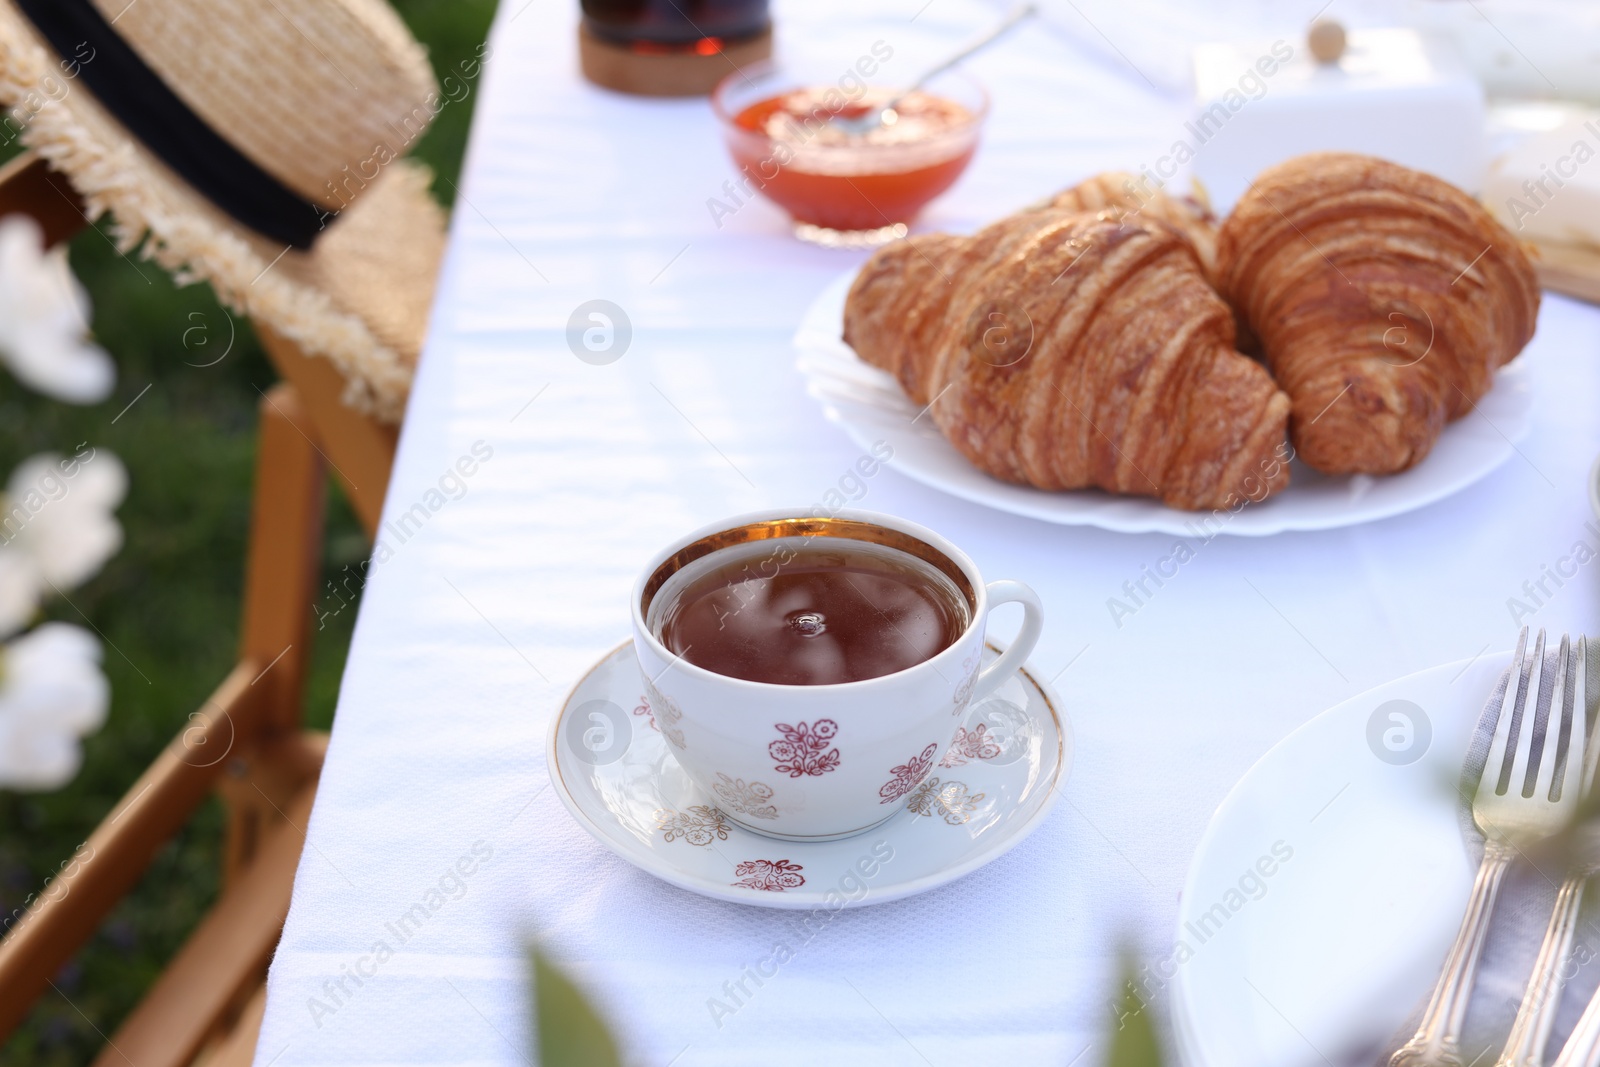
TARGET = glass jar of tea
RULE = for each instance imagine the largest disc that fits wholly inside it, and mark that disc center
(670, 47)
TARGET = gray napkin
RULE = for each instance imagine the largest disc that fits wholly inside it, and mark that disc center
(1527, 896)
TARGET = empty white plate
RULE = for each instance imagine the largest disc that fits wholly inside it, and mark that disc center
(1330, 883)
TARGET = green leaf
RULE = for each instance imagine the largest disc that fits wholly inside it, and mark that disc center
(1133, 1033)
(571, 1032)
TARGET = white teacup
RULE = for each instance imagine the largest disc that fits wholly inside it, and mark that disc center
(819, 762)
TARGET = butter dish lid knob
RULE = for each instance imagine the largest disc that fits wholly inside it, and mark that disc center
(1326, 39)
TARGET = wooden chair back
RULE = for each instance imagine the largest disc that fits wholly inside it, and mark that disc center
(245, 741)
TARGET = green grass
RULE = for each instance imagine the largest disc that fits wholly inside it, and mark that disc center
(168, 604)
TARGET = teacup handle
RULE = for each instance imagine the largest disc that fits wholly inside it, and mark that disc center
(1009, 592)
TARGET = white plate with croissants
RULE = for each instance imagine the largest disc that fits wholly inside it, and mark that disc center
(1337, 350)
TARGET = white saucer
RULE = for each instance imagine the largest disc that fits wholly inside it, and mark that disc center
(613, 770)
(1319, 957)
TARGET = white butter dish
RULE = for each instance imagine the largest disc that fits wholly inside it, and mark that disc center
(1391, 94)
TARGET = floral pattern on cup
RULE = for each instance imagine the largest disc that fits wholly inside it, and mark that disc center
(771, 875)
(700, 825)
(746, 798)
(907, 775)
(666, 714)
(950, 800)
(804, 748)
(973, 744)
(969, 681)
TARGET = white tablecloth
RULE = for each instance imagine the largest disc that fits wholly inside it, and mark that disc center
(480, 617)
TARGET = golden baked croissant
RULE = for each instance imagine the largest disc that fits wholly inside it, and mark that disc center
(1121, 194)
(1065, 350)
(1383, 298)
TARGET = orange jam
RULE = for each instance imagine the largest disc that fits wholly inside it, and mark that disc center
(828, 176)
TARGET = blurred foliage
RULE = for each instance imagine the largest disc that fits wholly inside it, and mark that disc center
(570, 1032)
(168, 604)
(1133, 1034)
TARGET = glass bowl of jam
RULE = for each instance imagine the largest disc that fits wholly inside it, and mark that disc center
(844, 187)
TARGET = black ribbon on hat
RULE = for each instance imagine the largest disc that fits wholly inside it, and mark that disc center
(152, 112)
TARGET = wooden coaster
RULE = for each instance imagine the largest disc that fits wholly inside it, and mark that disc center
(664, 73)
(1569, 269)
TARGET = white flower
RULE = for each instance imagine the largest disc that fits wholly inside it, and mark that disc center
(20, 589)
(70, 531)
(44, 319)
(56, 528)
(51, 694)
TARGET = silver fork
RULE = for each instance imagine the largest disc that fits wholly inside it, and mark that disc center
(1583, 1045)
(1525, 794)
(1537, 1014)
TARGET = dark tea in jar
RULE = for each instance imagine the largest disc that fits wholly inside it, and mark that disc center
(703, 26)
(670, 47)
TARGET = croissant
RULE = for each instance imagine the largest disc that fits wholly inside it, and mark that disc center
(1064, 350)
(1121, 194)
(1383, 299)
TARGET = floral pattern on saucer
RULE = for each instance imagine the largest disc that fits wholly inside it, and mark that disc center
(907, 775)
(631, 803)
(643, 708)
(804, 748)
(950, 800)
(771, 875)
(977, 743)
(746, 798)
(700, 825)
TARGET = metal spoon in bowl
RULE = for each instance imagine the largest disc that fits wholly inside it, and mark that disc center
(873, 117)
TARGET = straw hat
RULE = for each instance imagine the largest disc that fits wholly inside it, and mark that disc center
(252, 144)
